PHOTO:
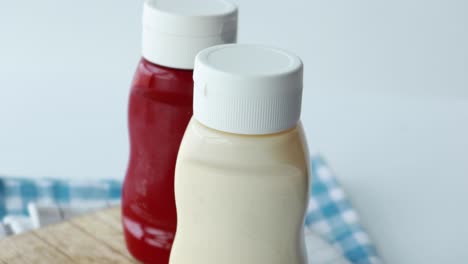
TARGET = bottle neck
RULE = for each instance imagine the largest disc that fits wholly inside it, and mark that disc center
(154, 66)
(200, 125)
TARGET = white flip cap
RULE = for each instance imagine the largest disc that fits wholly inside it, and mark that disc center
(247, 89)
(174, 31)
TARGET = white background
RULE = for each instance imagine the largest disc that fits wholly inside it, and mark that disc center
(386, 101)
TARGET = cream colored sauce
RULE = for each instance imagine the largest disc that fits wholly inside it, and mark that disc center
(240, 199)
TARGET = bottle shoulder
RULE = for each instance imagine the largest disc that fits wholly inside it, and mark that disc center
(150, 75)
(155, 81)
(206, 145)
(206, 133)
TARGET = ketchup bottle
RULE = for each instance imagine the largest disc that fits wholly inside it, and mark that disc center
(160, 107)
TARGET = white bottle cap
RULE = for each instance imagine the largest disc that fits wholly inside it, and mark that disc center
(247, 89)
(174, 31)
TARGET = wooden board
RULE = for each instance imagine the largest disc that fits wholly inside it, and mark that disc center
(95, 238)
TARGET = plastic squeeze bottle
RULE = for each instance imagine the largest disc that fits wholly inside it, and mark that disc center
(242, 172)
(160, 107)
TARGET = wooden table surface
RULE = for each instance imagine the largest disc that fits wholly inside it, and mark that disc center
(94, 238)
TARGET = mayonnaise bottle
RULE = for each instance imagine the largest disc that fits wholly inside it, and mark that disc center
(242, 171)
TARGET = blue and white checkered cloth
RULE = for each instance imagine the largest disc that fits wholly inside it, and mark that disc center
(16, 194)
(330, 213)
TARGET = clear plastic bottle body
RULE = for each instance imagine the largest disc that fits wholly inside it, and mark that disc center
(160, 107)
(241, 198)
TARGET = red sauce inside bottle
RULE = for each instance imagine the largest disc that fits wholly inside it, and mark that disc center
(160, 108)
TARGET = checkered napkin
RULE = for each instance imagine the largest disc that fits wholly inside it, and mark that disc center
(16, 194)
(333, 232)
(331, 215)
